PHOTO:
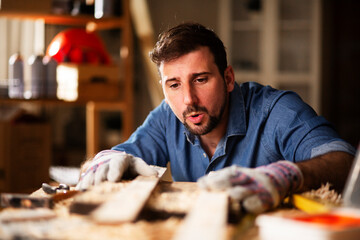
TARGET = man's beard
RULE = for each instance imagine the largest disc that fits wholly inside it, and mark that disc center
(213, 120)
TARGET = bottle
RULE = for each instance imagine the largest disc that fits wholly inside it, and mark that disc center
(16, 76)
(50, 76)
(104, 8)
(38, 84)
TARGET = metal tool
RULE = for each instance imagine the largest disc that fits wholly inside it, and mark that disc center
(55, 189)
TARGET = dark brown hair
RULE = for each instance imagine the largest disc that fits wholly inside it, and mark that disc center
(185, 38)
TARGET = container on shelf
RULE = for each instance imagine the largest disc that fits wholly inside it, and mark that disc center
(16, 76)
(37, 80)
(50, 76)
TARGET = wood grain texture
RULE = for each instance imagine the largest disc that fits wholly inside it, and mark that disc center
(207, 219)
(126, 205)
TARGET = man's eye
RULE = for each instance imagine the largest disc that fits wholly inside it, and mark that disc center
(175, 85)
(200, 80)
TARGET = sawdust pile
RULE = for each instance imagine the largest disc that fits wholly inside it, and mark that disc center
(325, 195)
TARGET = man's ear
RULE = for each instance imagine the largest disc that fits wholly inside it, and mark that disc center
(229, 77)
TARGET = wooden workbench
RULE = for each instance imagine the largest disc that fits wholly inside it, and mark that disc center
(164, 213)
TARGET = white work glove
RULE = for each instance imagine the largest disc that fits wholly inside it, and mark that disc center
(258, 189)
(111, 165)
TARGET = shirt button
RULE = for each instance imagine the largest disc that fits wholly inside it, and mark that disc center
(204, 154)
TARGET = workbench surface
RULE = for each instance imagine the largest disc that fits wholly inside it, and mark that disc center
(160, 218)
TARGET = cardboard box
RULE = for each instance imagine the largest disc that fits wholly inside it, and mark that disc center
(25, 155)
(88, 82)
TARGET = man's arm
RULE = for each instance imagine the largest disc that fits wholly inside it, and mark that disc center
(332, 167)
(262, 188)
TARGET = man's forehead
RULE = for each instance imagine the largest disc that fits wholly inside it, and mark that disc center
(195, 62)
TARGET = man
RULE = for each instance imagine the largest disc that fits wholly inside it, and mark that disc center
(208, 123)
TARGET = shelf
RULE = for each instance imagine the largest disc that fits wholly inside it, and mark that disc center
(277, 44)
(87, 21)
(110, 105)
(94, 107)
(93, 110)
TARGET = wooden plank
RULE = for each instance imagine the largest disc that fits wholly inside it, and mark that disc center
(84, 20)
(92, 130)
(207, 219)
(126, 205)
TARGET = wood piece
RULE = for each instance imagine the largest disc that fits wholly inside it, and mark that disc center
(17, 215)
(92, 129)
(126, 205)
(173, 198)
(25, 201)
(85, 202)
(207, 219)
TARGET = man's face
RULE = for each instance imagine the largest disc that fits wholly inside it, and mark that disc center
(196, 91)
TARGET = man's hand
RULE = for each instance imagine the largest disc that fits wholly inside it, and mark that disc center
(111, 165)
(258, 189)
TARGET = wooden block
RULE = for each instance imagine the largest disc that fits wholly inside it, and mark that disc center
(88, 82)
(90, 92)
(207, 219)
(25, 156)
(86, 73)
(85, 202)
(126, 205)
(18, 215)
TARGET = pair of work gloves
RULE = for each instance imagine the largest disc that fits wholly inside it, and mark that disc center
(258, 189)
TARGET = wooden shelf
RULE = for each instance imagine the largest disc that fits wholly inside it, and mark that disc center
(93, 107)
(282, 40)
(115, 104)
(87, 21)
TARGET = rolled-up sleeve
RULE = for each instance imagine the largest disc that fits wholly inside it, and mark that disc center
(300, 133)
(333, 146)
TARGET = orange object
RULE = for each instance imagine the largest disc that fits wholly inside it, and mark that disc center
(78, 46)
(337, 225)
(331, 220)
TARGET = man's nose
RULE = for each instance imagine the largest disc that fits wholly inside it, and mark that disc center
(189, 95)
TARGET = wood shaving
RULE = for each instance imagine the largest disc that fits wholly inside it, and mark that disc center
(168, 198)
(325, 195)
(100, 193)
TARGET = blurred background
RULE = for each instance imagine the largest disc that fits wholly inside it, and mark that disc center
(309, 46)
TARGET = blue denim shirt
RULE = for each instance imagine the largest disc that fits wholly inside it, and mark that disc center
(265, 125)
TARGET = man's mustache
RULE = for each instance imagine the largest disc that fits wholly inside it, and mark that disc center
(194, 108)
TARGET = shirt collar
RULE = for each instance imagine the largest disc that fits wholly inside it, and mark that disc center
(237, 118)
